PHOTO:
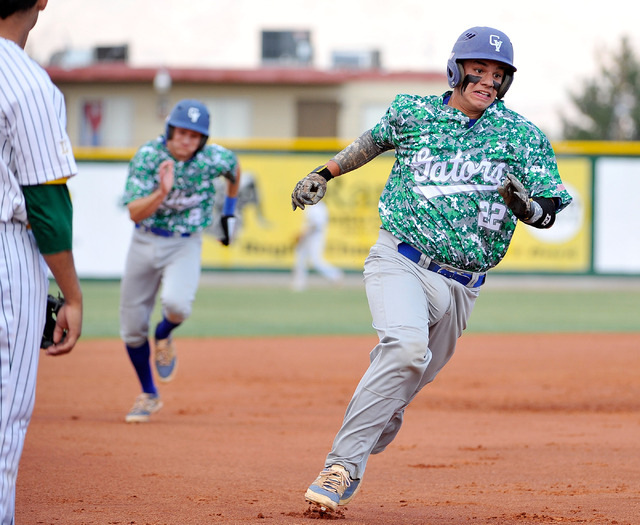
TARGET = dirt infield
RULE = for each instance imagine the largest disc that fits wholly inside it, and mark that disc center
(534, 429)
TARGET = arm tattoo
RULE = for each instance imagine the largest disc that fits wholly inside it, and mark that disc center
(358, 153)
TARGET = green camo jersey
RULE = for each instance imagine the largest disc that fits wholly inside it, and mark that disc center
(188, 208)
(441, 196)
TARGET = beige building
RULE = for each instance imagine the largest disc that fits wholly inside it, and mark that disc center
(114, 105)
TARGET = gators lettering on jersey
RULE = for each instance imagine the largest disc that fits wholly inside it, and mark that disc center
(447, 205)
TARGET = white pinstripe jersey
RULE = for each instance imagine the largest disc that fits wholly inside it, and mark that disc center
(34, 145)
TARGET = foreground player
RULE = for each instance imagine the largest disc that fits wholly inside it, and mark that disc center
(467, 170)
(35, 218)
(170, 193)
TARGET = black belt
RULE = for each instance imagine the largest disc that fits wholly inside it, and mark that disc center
(162, 232)
(470, 279)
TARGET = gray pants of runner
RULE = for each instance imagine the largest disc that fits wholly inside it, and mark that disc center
(153, 260)
(419, 315)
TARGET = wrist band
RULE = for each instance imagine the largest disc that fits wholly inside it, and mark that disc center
(229, 205)
(324, 172)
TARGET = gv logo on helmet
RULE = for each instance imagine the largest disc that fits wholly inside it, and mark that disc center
(495, 41)
(193, 113)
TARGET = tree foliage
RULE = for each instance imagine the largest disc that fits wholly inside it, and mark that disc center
(608, 107)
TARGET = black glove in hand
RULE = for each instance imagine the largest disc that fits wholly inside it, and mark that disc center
(53, 307)
(308, 191)
(228, 223)
(516, 197)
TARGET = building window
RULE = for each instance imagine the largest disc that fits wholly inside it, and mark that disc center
(106, 122)
(230, 117)
(317, 118)
(372, 113)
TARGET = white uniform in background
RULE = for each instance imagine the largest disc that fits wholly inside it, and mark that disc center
(310, 248)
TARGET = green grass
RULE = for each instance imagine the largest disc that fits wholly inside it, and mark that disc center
(556, 311)
(270, 310)
(242, 311)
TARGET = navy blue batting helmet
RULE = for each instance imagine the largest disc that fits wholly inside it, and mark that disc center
(189, 114)
(481, 43)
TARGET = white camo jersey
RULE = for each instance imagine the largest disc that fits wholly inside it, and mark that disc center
(34, 145)
(441, 196)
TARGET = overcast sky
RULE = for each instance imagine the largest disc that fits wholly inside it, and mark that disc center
(557, 43)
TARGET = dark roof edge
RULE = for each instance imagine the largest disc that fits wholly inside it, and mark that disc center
(122, 73)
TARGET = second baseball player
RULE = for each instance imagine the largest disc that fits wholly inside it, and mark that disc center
(170, 195)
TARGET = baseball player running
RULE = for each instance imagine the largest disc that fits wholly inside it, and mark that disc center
(170, 194)
(467, 170)
(35, 228)
(310, 245)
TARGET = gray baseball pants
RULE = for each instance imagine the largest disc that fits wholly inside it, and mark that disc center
(152, 260)
(418, 315)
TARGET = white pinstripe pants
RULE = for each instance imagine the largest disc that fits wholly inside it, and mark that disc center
(23, 293)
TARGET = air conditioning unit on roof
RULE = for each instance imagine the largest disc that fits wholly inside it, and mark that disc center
(287, 48)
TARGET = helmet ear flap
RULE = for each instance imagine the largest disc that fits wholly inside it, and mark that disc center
(460, 72)
(455, 73)
(506, 84)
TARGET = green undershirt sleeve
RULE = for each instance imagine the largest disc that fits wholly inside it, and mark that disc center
(50, 216)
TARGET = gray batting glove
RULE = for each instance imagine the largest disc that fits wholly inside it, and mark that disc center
(308, 191)
(516, 197)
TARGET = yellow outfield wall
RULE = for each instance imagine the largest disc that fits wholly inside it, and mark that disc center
(269, 242)
(268, 229)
